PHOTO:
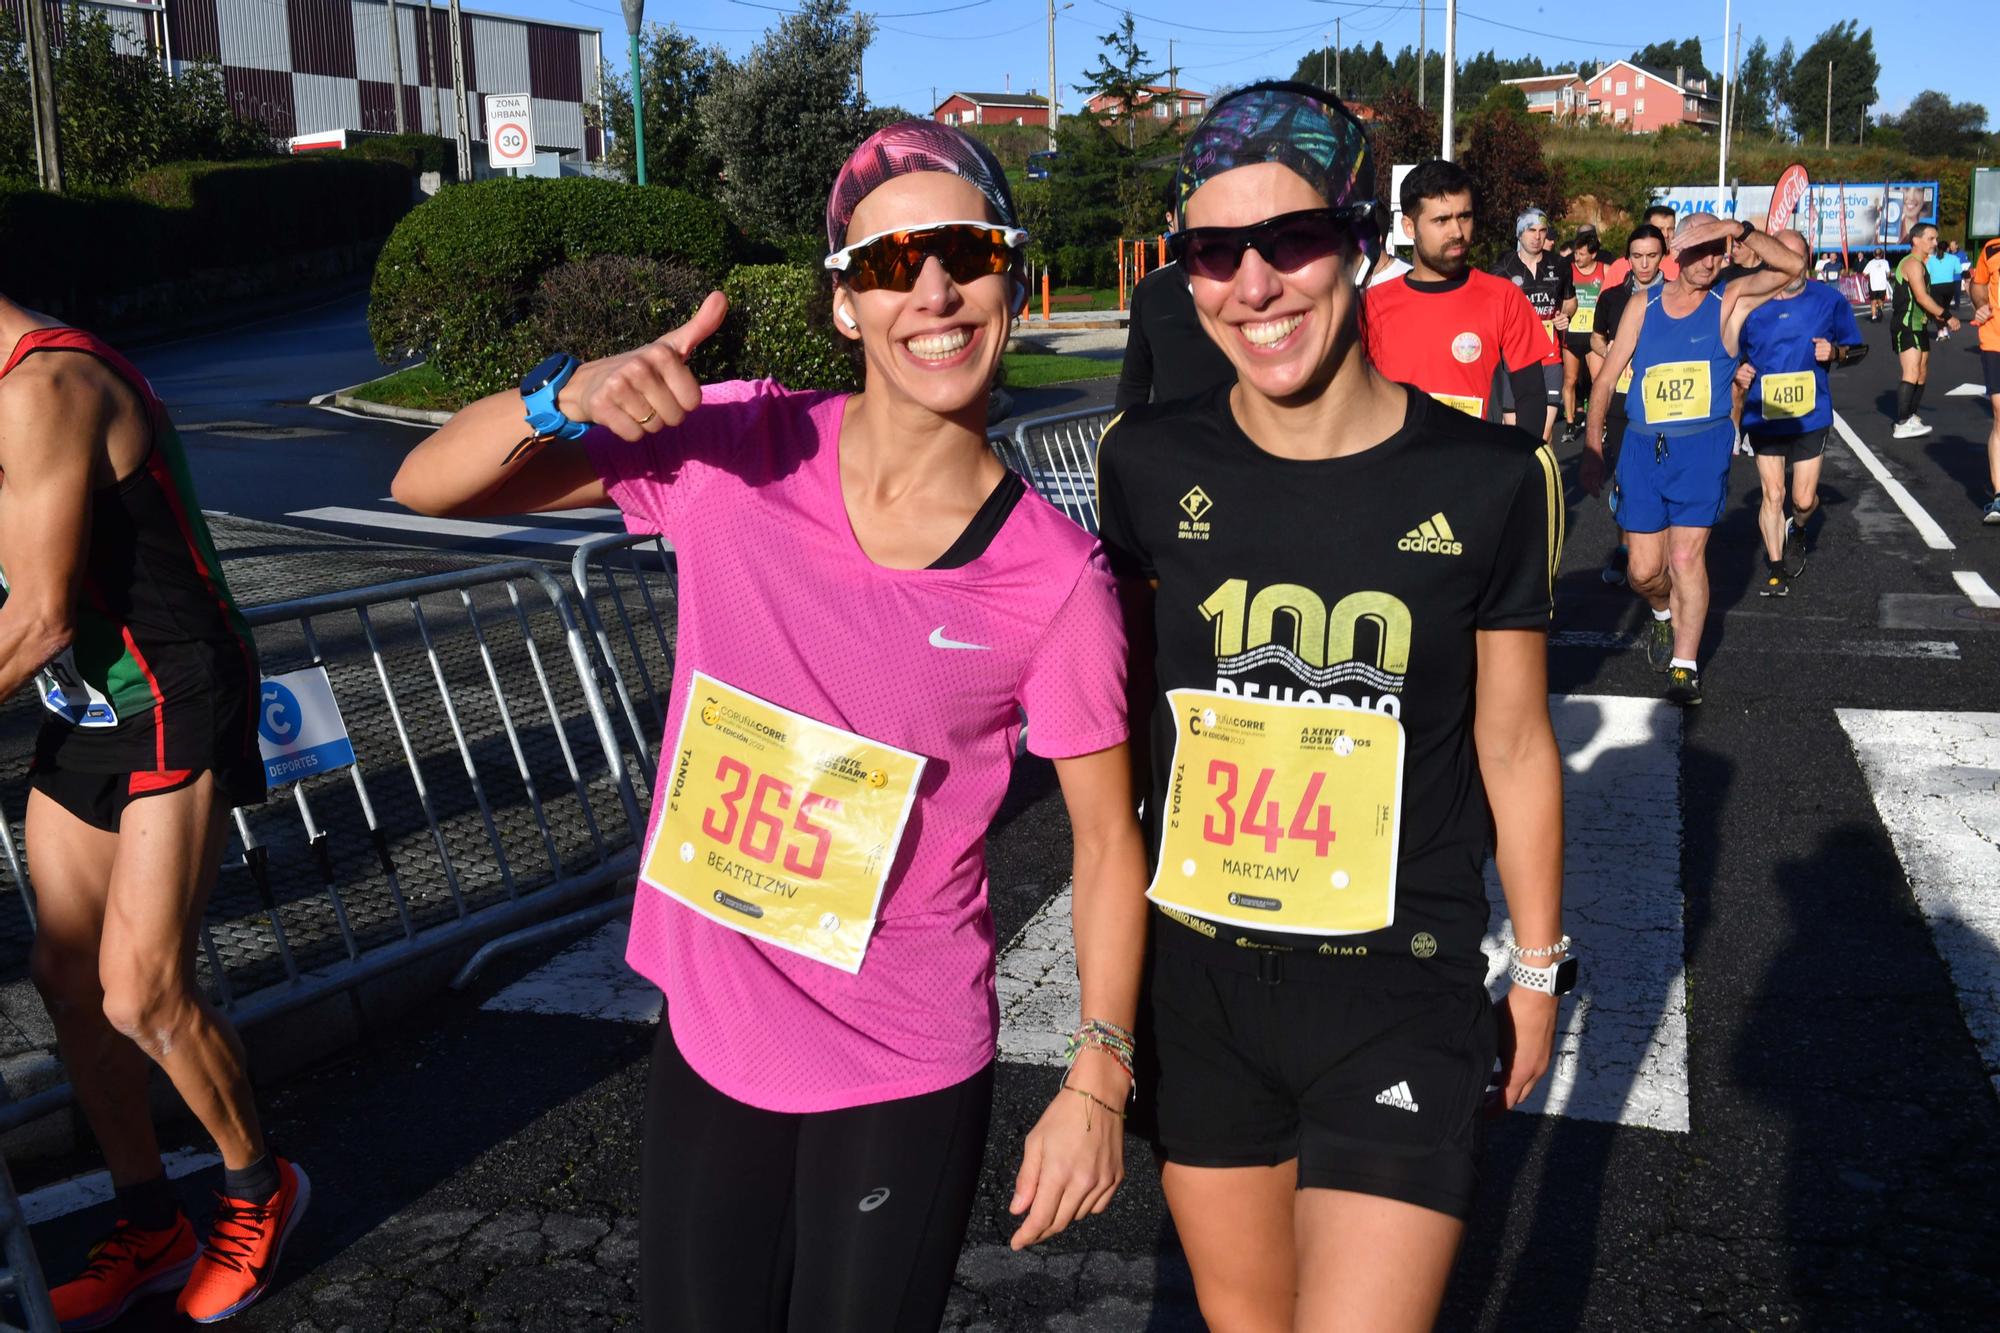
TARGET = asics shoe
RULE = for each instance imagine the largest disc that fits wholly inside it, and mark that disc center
(1992, 514)
(1775, 584)
(1794, 559)
(129, 1263)
(1683, 687)
(1659, 638)
(245, 1240)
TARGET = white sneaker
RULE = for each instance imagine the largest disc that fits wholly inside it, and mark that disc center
(1909, 428)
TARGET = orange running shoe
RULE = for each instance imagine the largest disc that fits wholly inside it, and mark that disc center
(127, 1264)
(244, 1242)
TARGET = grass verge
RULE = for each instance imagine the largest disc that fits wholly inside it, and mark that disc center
(417, 386)
(1031, 370)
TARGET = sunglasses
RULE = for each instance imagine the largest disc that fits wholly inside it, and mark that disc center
(1287, 242)
(891, 260)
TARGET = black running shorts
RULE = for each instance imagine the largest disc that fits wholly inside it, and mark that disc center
(99, 799)
(1256, 1058)
(1989, 362)
(1800, 448)
(1578, 345)
(1911, 340)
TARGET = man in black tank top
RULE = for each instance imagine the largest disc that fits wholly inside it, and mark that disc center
(118, 614)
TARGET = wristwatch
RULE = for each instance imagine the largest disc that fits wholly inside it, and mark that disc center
(539, 388)
(1559, 979)
(1748, 227)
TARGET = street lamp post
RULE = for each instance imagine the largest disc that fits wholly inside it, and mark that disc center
(1450, 73)
(635, 10)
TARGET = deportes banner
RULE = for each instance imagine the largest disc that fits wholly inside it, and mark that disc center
(1872, 215)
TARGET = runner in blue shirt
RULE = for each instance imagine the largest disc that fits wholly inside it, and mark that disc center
(1788, 344)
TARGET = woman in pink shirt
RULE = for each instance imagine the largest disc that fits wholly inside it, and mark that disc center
(869, 602)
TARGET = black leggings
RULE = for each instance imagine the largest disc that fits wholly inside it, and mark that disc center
(847, 1221)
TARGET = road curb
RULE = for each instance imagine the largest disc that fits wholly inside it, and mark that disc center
(345, 400)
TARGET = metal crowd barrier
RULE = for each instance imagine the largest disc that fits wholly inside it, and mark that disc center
(490, 785)
(1057, 455)
(20, 1270)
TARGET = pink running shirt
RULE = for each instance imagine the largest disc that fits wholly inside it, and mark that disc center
(778, 599)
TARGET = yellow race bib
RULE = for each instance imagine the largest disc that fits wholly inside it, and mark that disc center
(1549, 328)
(1584, 320)
(780, 827)
(1676, 391)
(1472, 407)
(1792, 394)
(1625, 380)
(1281, 816)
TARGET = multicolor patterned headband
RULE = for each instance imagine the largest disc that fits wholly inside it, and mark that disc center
(1293, 124)
(910, 146)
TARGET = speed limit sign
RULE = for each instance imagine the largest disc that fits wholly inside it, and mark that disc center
(510, 130)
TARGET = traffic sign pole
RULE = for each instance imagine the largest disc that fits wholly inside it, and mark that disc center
(635, 10)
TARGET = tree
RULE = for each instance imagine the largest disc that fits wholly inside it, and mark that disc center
(1124, 81)
(677, 72)
(783, 121)
(1756, 92)
(1674, 57)
(1855, 69)
(1402, 132)
(119, 113)
(1934, 125)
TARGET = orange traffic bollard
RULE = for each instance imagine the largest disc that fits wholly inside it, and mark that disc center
(1045, 294)
(1121, 272)
(1163, 249)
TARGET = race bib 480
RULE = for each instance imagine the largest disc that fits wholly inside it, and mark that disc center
(1676, 391)
(1281, 816)
(1792, 394)
(778, 826)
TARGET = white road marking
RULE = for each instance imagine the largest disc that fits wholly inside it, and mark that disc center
(87, 1191)
(450, 527)
(1976, 587)
(1935, 779)
(1622, 1056)
(1926, 526)
(1930, 650)
(589, 979)
(1966, 391)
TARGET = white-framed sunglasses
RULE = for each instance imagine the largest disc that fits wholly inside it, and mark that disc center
(891, 260)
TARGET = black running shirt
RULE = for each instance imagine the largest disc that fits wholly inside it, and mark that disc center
(1355, 582)
(1167, 352)
(1546, 287)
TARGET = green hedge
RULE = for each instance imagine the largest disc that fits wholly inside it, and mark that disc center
(779, 326)
(456, 280)
(78, 255)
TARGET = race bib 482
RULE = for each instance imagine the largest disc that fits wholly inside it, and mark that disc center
(1676, 391)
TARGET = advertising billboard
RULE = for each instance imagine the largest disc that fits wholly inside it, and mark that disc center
(1838, 216)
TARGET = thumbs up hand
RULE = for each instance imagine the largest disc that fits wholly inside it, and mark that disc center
(636, 393)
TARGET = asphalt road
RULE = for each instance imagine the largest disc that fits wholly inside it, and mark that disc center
(1803, 1131)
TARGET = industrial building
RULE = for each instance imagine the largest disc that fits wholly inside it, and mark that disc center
(306, 67)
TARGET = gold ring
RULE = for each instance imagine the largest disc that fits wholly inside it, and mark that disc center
(648, 417)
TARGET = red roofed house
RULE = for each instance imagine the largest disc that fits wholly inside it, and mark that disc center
(1561, 96)
(1642, 100)
(1027, 108)
(1157, 101)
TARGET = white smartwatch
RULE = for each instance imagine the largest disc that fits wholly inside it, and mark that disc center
(1558, 979)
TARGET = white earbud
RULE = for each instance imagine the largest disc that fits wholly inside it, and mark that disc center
(847, 318)
(1361, 266)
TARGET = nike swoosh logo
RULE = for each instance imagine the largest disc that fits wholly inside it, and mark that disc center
(938, 640)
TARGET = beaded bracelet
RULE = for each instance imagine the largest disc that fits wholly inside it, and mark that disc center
(1549, 951)
(1107, 1037)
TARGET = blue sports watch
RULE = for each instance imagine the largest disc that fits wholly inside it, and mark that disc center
(539, 388)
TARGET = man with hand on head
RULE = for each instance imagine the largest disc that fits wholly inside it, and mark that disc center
(1682, 345)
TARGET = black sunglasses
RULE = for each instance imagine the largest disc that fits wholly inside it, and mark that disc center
(1287, 242)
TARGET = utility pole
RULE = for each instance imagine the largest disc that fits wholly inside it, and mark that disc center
(1173, 88)
(1052, 75)
(1336, 58)
(635, 11)
(460, 107)
(1423, 53)
(396, 63)
(1325, 40)
(1736, 82)
(1450, 72)
(1722, 130)
(1827, 142)
(42, 92)
(431, 53)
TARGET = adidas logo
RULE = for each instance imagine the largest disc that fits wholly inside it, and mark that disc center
(1433, 535)
(1398, 1097)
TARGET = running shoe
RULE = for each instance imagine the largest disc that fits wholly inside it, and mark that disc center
(1795, 549)
(1992, 515)
(1660, 644)
(1777, 583)
(1683, 687)
(1613, 572)
(1909, 428)
(129, 1263)
(245, 1240)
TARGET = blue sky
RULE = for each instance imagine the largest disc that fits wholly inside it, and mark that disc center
(978, 44)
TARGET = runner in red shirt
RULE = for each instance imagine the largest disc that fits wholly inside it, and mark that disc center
(1445, 327)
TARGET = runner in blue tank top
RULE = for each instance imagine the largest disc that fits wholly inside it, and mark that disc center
(1681, 345)
(1788, 407)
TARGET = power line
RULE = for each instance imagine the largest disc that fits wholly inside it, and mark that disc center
(901, 14)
